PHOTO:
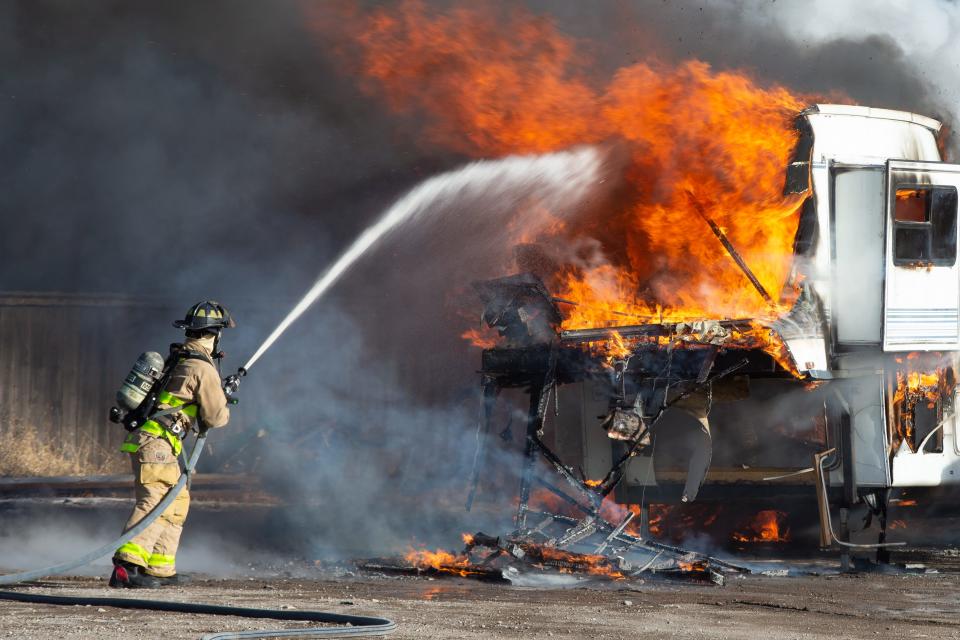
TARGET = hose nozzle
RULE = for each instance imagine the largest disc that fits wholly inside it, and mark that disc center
(232, 383)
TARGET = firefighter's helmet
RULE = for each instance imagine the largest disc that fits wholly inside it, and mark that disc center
(208, 314)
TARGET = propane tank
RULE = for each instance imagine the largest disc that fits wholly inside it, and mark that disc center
(146, 371)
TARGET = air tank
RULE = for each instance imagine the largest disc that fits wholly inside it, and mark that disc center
(145, 372)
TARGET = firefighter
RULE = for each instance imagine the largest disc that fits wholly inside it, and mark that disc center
(149, 559)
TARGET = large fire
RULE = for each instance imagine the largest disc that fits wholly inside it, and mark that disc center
(490, 83)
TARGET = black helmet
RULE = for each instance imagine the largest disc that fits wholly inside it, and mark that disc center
(208, 314)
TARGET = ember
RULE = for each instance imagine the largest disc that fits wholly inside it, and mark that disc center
(676, 522)
(656, 519)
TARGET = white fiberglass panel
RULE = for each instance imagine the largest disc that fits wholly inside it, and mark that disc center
(859, 199)
(843, 137)
(930, 469)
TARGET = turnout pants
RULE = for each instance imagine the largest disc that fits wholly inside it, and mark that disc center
(155, 471)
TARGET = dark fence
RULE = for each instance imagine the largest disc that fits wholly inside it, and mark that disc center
(60, 359)
(63, 357)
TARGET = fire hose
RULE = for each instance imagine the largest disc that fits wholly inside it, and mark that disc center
(353, 626)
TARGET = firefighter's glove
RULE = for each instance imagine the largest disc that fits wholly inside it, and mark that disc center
(231, 384)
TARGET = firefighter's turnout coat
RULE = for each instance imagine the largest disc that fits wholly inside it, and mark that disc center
(195, 384)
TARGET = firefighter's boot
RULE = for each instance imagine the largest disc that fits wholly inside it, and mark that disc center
(176, 580)
(130, 576)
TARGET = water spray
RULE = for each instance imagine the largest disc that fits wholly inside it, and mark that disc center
(394, 216)
(564, 176)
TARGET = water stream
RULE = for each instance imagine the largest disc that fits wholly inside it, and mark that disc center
(564, 177)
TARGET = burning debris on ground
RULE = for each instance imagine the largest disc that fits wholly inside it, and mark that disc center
(530, 554)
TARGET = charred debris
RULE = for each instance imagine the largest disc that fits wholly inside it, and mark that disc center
(642, 381)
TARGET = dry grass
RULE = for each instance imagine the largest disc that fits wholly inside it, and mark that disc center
(24, 453)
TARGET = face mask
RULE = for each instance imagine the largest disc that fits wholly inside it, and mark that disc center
(215, 352)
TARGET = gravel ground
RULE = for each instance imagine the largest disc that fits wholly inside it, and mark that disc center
(826, 606)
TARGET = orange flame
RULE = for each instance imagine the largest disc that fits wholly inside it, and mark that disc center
(481, 338)
(658, 513)
(617, 348)
(767, 526)
(677, 521)
(697, 565)
(615, 512)
(610, 509)
(490, 82)
(924, 377)
(440, 560)
(494, 83)
(567, 562)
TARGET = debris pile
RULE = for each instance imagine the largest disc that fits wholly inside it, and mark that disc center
(590, 548)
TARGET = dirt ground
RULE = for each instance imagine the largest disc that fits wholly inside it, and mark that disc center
(826, 606)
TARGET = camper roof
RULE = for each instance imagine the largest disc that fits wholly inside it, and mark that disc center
(871, 112)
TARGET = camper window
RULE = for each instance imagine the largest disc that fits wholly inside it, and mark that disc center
(925, 226)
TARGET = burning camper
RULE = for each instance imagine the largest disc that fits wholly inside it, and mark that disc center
(849, 366)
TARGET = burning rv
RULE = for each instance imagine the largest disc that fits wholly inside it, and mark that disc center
(856, 375)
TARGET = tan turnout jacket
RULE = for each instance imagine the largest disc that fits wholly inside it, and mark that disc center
(198, 381)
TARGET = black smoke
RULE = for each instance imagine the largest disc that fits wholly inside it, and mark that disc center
(220, 147)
